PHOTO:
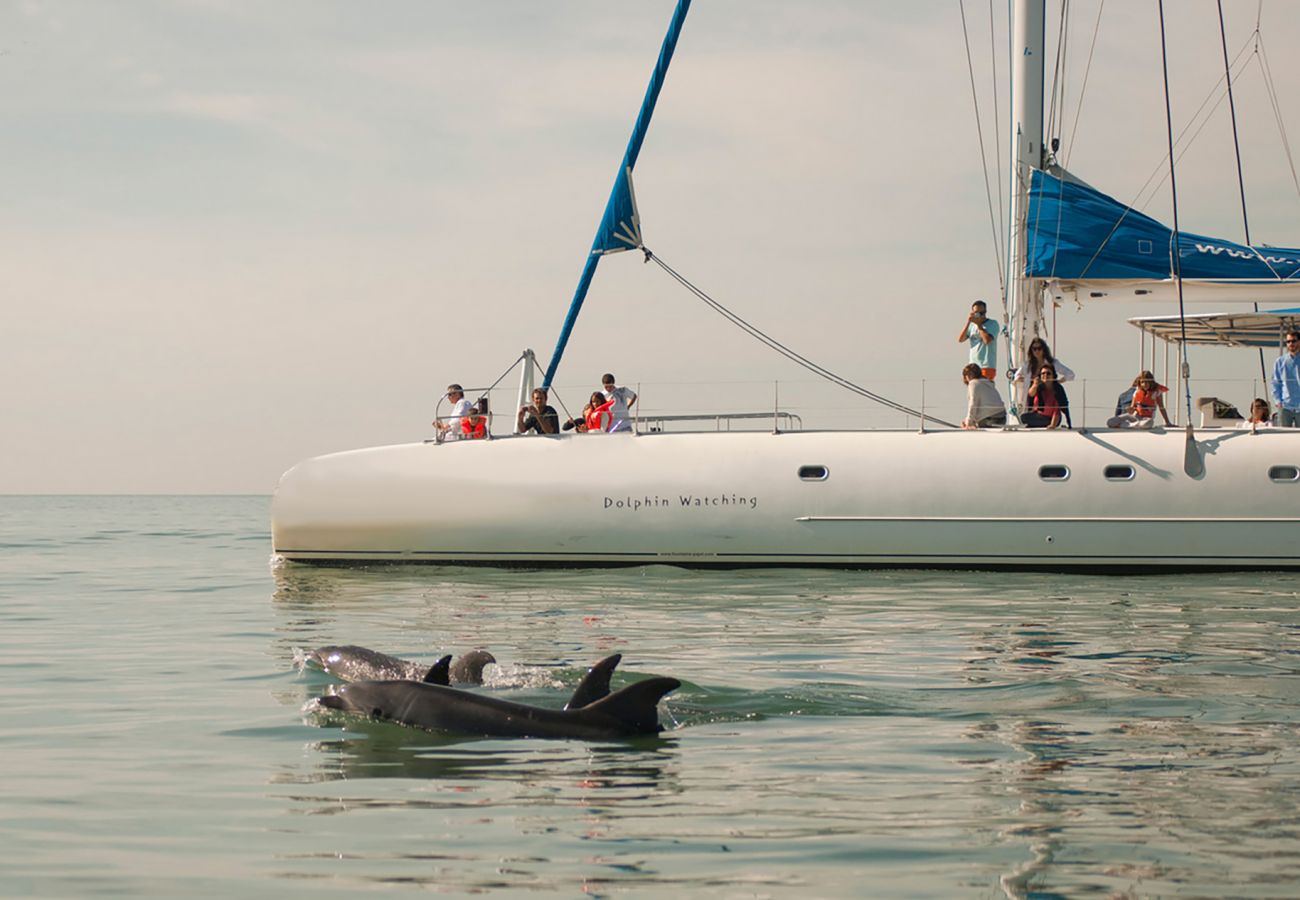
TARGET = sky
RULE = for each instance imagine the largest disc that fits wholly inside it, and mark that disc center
(239, 234)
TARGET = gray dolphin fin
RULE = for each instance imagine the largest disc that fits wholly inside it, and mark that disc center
(468, 669)
(635, 707)
(438, 672)
(595, 684)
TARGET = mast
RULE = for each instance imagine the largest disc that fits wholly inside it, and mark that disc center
(1025, 303)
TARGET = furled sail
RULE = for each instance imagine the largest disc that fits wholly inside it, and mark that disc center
(620, 226)
(1093, 246)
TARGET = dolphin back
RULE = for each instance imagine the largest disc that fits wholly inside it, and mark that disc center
(468, 669)
(635, 708)
(594, 684)
(439, 672)
(353, 663)
(631, 711)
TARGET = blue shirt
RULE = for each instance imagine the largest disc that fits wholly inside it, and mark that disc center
(1286, 381)
(983, 355)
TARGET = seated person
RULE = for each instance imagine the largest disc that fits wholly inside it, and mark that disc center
(1048, 402)
(984, 407)
(448, 426)
(538, 417)
(1148, 396)
(1261, 415)
(474, 425)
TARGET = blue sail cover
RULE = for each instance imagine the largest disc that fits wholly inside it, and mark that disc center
(1079, 234)
(620, 226)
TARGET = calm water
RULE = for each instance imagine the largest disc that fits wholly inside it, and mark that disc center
(837, 734)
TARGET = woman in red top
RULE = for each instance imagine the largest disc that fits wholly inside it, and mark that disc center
(1047, 401)
(597, 416)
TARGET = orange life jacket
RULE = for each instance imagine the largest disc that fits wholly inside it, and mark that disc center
(472, 429)
(599, 417)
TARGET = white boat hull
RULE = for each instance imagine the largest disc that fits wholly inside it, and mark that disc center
(889, 498)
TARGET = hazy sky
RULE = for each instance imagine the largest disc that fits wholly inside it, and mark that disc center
(237, 234)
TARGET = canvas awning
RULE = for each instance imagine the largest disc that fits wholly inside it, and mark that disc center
(1230, 329)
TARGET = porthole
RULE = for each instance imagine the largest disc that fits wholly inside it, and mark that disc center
(1053, 473)
(1119, 473)
(814, 473)
(1283, 473)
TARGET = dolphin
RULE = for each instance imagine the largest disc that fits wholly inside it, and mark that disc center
(591, 714)
(352, 663)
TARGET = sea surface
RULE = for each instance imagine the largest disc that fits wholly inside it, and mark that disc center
(837, 734)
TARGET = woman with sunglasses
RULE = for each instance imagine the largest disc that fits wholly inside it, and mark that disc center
(1148, 397)
(1037, 356)
(1048, 403)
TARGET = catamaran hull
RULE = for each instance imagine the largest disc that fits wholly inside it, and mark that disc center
(1108, 500)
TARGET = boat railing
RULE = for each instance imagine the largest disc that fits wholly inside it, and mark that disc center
(679, 407)
(777, 420)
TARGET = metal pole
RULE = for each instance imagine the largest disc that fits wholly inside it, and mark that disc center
(525, 384)
(776, 406)
(922, 431)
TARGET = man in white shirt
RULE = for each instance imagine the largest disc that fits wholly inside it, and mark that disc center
(449, 425)
(624, 398)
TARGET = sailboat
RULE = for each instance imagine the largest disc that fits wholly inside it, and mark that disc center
(1094, 499)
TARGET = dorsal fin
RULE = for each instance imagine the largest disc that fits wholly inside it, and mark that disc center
(438, 672)
(469, 668)
(635, 707)
(595, 684)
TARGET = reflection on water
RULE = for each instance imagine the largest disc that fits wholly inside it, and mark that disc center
(1132, 749)
(1055, 736)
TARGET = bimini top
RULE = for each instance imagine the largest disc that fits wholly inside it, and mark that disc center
(1243, 329)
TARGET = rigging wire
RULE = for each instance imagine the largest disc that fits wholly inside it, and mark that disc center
(785, 351)
(1236, 146)
(1059, 75)
(1087, 70)
(984, 163)
(997, 147)
(1271, 87)
(1193, 465)
(1152, 184)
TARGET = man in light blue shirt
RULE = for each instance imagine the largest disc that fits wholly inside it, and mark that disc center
(1286, 383)
(981, 333)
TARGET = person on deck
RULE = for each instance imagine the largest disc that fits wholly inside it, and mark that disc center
(449, 426)
(981, 333)
(1040, 355)
(984, 407)
(595, 415)
(1048, 402)
(1148, 396)
(624, 398)
(474, 425)
(1260, 415)
(1286, 382)
(538, 417)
